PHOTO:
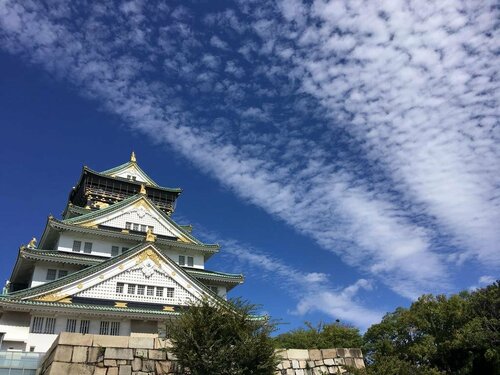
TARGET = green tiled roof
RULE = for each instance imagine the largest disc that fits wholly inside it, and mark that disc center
(206, 248)
(81, 306)
(124, 203)
(61, 256)
(89, 260)
(150, 183)
(54, 285)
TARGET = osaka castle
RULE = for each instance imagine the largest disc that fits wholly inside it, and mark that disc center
(114, 264)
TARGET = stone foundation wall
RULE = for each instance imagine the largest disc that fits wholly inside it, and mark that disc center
(74, 353)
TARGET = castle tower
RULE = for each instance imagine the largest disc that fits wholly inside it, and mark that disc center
(116, 263)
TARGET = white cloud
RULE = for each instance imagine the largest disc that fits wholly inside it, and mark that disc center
(416, 100)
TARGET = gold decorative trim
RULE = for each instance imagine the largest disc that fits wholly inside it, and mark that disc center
(168, 308)
(101, 277)
(150, 237)
(147, 254)
(66, 300)
(143, 189)
(80, 286)
(133, 159)
(52, 297)
(121, 304)
(173, 273)
(120, 266)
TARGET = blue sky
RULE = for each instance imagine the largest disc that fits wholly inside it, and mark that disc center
(344, 154)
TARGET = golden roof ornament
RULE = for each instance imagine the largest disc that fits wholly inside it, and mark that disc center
(150, 237)
(132, 157)
(32, 243)
(143, 189)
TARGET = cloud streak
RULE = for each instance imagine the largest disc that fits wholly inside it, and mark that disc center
(370, 130)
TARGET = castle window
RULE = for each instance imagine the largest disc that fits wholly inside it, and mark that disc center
(150, 290)
(119, 288)
(84, 326)
(136, 227)
(104, 328)
(50, 325)
(131, 289)
(140, 290)
(51, 274)
(115, 329)
(77, 245)
(182, 260)
(71, 325)
(170, 292)
(190, 261)
(128, 225)
(87, 248)
(62, 273)
(115, 250)
(159, 291)
(37, 325)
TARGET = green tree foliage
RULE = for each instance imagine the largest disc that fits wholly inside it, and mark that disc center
(334, 335)
(223, 339)
(439, 335)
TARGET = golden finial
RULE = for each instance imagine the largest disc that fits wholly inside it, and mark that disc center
(32, 243)
(143, 189)
(132, 157)
(150, 237)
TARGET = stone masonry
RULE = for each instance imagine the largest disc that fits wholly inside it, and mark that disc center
(74, 353)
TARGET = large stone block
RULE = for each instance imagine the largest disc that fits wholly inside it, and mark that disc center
(112, 371)
(110, 341)
(93, 354)
(100, 371)
(63, 353)
(58, 368)
(315, 354)
(148, 365)
(141, 342)
(118, 353)
(76, 339)
(329, 361)
(159, 355)
(125, 370)
(359, 363)
(81, 369)
(298, 354)
(110, 363)
(329, 353)
(136, 364)
(281, 354)
(163, 367)
(79, 354)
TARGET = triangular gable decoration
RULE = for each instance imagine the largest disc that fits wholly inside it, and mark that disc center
(168, 283)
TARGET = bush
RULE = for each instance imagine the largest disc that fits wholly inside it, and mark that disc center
(223, 339)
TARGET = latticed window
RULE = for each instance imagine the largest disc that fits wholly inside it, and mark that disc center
(190, 261)
(104, 328)
(77, 245)
(143, 228)
(37, 324)
(128, 225)
(140, 290)
(71, 325)
(84, 326)
(150, 290)
(136, 227)
(159, 291)
(114, 329)
(182, 260)
(115, 250)
(119, 288)
(51, 274)
(87, 247)
(170, 292)
(131, 289)
(50, 325)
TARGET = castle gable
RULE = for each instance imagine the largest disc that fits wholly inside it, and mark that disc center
(142, 275)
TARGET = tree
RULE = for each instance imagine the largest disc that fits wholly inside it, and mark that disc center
(439, 335)
(333, 335)
(225, 339)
